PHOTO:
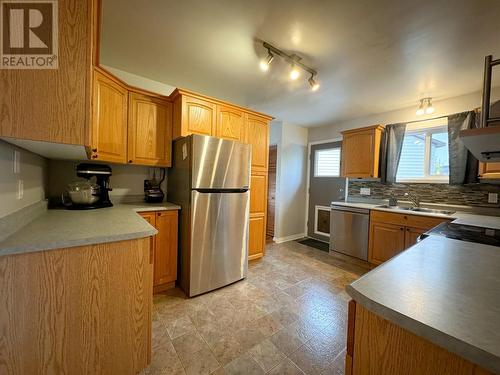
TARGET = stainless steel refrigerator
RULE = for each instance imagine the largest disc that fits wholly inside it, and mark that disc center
(210, 180)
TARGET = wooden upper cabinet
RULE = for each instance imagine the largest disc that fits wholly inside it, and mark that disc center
(361, 152)
(489, 170)
(109, 122)
(257, 129)
(53, 105)
(149, 130)
(193, 115)
(230, 123)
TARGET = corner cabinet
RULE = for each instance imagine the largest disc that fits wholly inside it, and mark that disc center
(164, 248)
(489, 171)
(361, 152)
(109, 119)
(149, 130)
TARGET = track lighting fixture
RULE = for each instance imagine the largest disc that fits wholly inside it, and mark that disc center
(425, 107)
(294, 61)
(312, 82)
(265, 63)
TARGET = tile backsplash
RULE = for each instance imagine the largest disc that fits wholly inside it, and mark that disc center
(467, 195)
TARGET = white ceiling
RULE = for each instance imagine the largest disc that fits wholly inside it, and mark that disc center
(372, 56)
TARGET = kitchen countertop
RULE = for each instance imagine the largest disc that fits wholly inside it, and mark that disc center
(458, 217)
(61, 228)
(443, 290)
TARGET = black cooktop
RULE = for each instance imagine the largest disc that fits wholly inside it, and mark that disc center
(469, 233)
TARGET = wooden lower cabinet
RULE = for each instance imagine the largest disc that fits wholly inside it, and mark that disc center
(391, 233)
(376, 346)
(79, 310)
(257, 237)
(258, 213)
(165, 248)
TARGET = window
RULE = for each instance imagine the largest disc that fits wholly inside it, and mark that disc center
(424, 157)
(327, 162)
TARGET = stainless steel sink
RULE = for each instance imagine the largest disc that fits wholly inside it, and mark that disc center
(432, 211)
(394, 207)
(417, 209)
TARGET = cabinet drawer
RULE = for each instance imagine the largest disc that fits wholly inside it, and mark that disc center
(409, 220)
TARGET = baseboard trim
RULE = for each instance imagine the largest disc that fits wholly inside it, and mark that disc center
(293, 237)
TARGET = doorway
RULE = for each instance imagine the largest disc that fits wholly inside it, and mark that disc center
(325, 186)
(271, 193)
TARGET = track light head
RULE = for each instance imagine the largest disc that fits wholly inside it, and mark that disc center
(294, 73)
(265, 63)
(313, 83)
(425, 107)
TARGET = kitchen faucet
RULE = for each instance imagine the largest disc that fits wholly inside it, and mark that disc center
(413, 198)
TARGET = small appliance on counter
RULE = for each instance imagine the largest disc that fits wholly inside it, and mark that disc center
(87, 195)
(152, 189)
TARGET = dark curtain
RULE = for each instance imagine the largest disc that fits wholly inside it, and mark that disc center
(392, 144)
(463, 166)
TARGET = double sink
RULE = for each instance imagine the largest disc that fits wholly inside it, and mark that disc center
(417, 209)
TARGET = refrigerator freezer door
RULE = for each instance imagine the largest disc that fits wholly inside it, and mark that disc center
(219, 240)
(219, 163)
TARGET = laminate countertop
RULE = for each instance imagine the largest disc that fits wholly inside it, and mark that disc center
(444, 290)
(61, 228)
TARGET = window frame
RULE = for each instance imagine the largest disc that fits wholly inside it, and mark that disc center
(316, 152)
(429, 128)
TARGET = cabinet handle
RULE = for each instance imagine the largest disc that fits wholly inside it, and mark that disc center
(407, 229)
(405, 217)
(94, 150)
(94, 156)
(401, 228)
(130, 161)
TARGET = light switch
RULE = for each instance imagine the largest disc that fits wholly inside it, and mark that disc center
(364, 191)
(492, 198)
(16, 162)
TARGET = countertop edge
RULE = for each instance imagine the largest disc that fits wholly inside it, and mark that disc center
(471, 353)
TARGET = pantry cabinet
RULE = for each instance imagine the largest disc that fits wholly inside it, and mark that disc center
(149, 130)
(165, 248)
(258, 137)
(109, 119)
(361, 152)
(258, 215)
(391, 233)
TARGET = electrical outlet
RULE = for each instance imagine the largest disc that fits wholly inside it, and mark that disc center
(16, 165)
(492, 198)
(20, 189)
(364, 191)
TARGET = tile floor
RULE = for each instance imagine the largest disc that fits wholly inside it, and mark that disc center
(288, 317)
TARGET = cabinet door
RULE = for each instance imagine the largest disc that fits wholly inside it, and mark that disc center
(109, 123)
(386, 240)
(199, 116)
(489, 170)
(358, 154)
(257, 238)
(411, 236)
(258, 136)
(149, 130)
(258, 193)
(165, 260)
(150, 217)
(230, 123)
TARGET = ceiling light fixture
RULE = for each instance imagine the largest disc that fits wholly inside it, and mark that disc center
(294, 61)
(425, 107)
(313, 83)
(265, 63)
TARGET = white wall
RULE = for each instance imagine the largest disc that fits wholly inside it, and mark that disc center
(141, 82)
(443, 107)
(33, 173)
(290, 180)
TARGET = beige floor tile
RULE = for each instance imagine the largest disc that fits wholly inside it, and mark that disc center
(187, 345)
(226, 349)
(200, 363)
(286, 367)
(287, 340)
(309, 361)
(180, 327)
(285, 316)
(249, 336)
(268, 325)
(266, 354)
(337, 367)
(243, 365)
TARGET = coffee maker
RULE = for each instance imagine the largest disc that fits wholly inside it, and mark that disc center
(88, 195)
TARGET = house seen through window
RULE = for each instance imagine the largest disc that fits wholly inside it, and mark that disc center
(424, 156)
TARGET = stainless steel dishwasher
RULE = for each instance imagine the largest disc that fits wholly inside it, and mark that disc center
(349, 228)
